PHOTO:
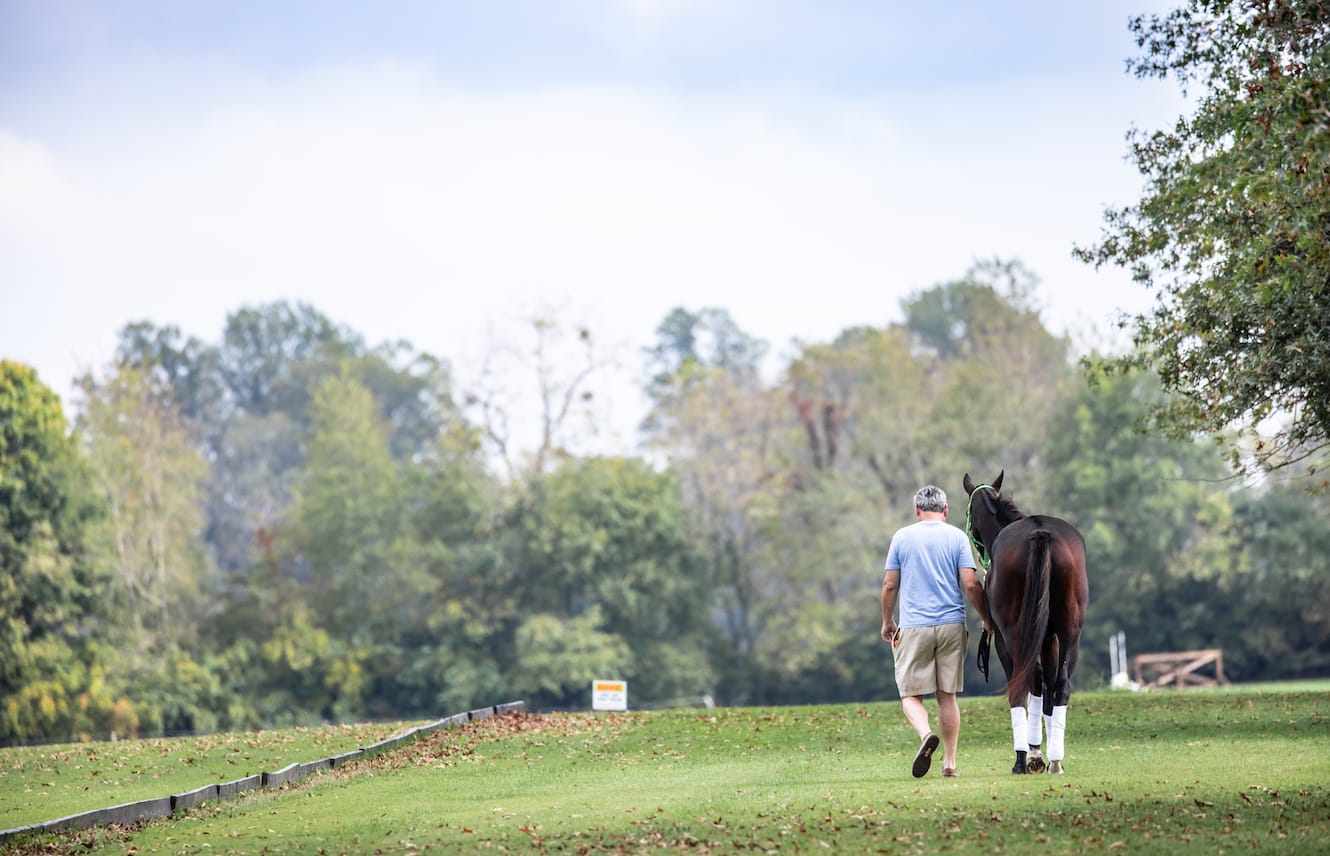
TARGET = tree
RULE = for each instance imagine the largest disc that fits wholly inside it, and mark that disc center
(191, 367)
(351, 519)
(708, 337)
(966, 382)
(1155, 516)
(558, 657)
(149, 477)
(731, 442)
(606, 578)
(456, 658)
(1001, 375)
(261, 344)
(48, 602)
(557, 372)
(247, 402)
(1233, 228)
(1278, 587)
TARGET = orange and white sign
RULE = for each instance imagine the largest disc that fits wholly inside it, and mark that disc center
(609, 695)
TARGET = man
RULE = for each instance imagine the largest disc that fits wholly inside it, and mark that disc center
(929, 564)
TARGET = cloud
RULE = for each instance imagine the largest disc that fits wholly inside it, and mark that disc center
(411, 208)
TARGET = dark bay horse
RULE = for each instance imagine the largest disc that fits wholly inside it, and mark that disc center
(1037, 594)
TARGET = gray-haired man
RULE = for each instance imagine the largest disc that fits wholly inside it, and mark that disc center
(930, 567)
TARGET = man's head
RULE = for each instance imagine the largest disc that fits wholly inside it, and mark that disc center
(930, 497)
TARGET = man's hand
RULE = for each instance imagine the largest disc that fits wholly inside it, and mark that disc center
(889, 630)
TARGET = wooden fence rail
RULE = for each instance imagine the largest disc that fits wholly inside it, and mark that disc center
(1179, 669)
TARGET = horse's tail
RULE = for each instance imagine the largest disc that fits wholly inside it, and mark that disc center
(1034, 609)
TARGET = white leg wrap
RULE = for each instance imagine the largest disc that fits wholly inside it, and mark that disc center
(1057, 728)
(1019, 728)
(1036, 732)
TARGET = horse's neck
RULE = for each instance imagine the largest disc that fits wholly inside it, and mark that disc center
(1004, 518)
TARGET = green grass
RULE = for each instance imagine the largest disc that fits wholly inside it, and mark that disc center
(1214, 771)
(40, 783)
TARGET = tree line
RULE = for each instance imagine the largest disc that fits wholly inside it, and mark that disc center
(290, 526)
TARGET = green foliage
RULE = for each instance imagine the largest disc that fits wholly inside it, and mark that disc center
(1280, 594)
(248, 402)
(374, 565)
(605, 575)
(561, 656)
(46, 587)
(261, 345)
(730, 442)
(63, 696)
(454, 659)
(708, 338)
(1141, 501)
(350, 505)
(190, 367)
(149, 476)
(351, 531)
(57, 780)
(1233, 229)
(1002, 377)
(969, 381)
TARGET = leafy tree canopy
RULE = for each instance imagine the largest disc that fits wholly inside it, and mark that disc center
(46, 589)
(687, 340)
(1233, 229)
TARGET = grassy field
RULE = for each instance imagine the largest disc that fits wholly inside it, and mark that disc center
(1203, 771)
(40, 783)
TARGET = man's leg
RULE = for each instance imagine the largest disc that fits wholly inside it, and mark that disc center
(950, 681)
(916, 714)
(949, 724)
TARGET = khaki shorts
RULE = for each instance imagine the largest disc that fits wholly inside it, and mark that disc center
(931, 658)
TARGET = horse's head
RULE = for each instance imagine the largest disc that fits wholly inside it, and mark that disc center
(985, 514)
(996, 485)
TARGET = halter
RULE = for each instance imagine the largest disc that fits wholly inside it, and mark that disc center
(984, 558)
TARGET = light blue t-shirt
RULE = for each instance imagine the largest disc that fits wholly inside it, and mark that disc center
(929, 555)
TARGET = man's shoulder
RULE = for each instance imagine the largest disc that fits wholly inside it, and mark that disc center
(930, 533)
(937, 527)
(941, 532)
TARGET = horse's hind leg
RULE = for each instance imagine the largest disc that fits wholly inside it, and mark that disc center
(1034, 730)
(1040, 702)
(1018, 714)
(1057, 722)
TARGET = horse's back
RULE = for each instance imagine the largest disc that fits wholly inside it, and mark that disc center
(1069, 580)
(1018, 532)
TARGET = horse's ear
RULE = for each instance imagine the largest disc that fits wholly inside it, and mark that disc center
(969, 484)
(997, 482)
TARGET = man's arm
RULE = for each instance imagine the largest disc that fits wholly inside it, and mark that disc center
(974, 590)
(891, 583)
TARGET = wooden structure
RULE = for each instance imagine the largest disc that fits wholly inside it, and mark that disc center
(1178, 669)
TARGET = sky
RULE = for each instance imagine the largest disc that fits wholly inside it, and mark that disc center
(442, 172)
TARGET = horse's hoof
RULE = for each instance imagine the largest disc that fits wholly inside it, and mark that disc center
(1019, 769)
(1055, 768)
(1034, 763)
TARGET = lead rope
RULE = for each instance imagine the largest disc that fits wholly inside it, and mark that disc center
(979, 548)
(981, 656)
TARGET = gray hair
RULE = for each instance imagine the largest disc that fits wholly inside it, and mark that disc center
(930, 497)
